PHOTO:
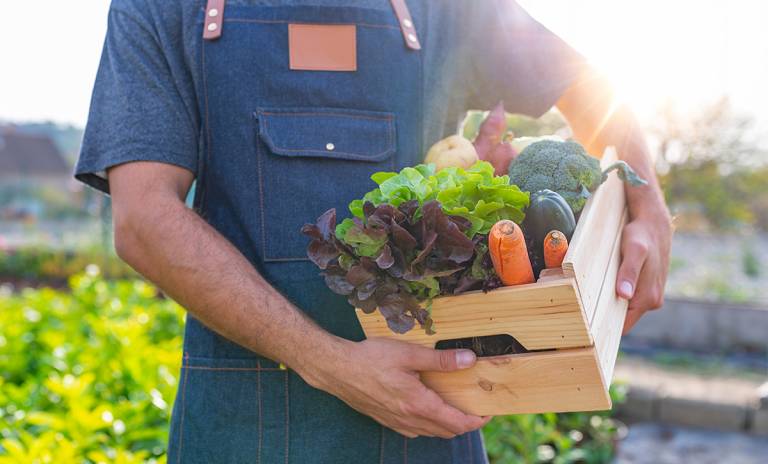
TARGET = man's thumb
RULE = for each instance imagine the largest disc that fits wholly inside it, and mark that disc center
(633, 254)
(428, 359)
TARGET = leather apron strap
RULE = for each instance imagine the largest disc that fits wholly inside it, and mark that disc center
(214, 19)
(214, 22)
(406, 24)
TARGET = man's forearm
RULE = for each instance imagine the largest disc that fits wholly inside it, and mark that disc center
(174, 248)
(598, 121)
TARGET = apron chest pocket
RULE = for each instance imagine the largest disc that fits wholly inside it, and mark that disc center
(313, 159)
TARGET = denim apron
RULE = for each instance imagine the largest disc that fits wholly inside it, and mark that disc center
(281, 147)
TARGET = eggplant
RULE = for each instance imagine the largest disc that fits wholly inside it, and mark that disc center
(548, 211)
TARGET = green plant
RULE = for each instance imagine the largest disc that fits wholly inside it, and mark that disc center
(555, 438)
(750, 263)
(87, 375)
(516, 124)
(56, 265)
(475, 193)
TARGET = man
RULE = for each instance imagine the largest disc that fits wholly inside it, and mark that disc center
(281, 111)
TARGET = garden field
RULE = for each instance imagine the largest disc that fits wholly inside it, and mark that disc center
(88, 373)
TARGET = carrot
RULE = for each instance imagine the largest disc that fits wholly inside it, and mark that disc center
(555, 247)
(509, 254)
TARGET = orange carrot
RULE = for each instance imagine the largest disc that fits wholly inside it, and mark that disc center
(509, 254)
(555, 247)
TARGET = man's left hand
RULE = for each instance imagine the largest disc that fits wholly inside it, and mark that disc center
(645, 248)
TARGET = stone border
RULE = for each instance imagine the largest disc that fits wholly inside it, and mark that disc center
(704, 326)
(653, 404)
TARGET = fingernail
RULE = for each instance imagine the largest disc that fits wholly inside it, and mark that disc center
(464, 358)
(626, 289)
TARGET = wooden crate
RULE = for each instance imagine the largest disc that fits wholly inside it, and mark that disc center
(572, 312)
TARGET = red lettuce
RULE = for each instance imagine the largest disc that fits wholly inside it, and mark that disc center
(396, 259)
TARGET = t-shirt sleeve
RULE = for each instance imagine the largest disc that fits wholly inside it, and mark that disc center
(138, 108)
(518, 60)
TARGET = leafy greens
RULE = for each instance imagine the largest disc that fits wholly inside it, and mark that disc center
(419, 235)
(474, 193)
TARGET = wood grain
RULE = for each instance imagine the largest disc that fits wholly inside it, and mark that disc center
(590, 249)
(556, 381)
(539, 316)
(611, 310)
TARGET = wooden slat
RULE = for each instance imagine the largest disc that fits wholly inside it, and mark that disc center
(556, 381)
(539, 316)
(609, 317)
(590, 248)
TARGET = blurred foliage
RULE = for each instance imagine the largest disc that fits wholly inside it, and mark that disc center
(87, 375)
(56, 265)
(714, 164)
(43, 201)
(90, 374)
(555, 438)
(750, 263)
(520, 125)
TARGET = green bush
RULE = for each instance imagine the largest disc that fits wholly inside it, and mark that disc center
(90, 374)
(87, 375)
(750, 263)
(554, 438)
(56, 265)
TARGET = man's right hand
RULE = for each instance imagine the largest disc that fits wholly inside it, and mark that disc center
(380, 378)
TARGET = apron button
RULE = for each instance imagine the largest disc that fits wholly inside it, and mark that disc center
(412, 38)
(213, 12)
(407, 23)
(329, 146)
(212, 27)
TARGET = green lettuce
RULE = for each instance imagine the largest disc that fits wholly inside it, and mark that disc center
(474, 194)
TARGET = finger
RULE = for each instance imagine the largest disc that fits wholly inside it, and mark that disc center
(448, 417)
(427, 359)
(406, 433)
(633, 315)
(634, 251)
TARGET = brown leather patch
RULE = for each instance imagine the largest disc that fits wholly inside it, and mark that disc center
(322, 47)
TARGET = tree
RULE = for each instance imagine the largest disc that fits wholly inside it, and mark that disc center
(713, 162)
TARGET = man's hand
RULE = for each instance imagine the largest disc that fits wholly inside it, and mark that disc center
(598, 121)
(380, 378)
(645, 248)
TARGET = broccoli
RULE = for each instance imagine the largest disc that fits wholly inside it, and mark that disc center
(566, 168)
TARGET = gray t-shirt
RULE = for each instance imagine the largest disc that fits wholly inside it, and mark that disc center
(147, 99)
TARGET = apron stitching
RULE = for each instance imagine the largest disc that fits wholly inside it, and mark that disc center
(183, 407)
(325, 114)
(282, 21)
(206, 368)
(285, 259)
(287, 419)
(353, 156)
(258, 391)
(393, 163)
(259, 161)
(381, 445)
(207, 156)
(471, 454)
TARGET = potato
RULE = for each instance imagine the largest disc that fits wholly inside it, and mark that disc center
(453, 151)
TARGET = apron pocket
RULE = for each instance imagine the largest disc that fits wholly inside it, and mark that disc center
(313, 159)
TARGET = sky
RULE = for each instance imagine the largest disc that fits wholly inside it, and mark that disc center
(689, 51)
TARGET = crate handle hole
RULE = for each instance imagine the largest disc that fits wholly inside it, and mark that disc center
(488, 345)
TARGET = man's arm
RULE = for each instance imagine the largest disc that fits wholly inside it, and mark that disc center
(173, 247)
(597, 121)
